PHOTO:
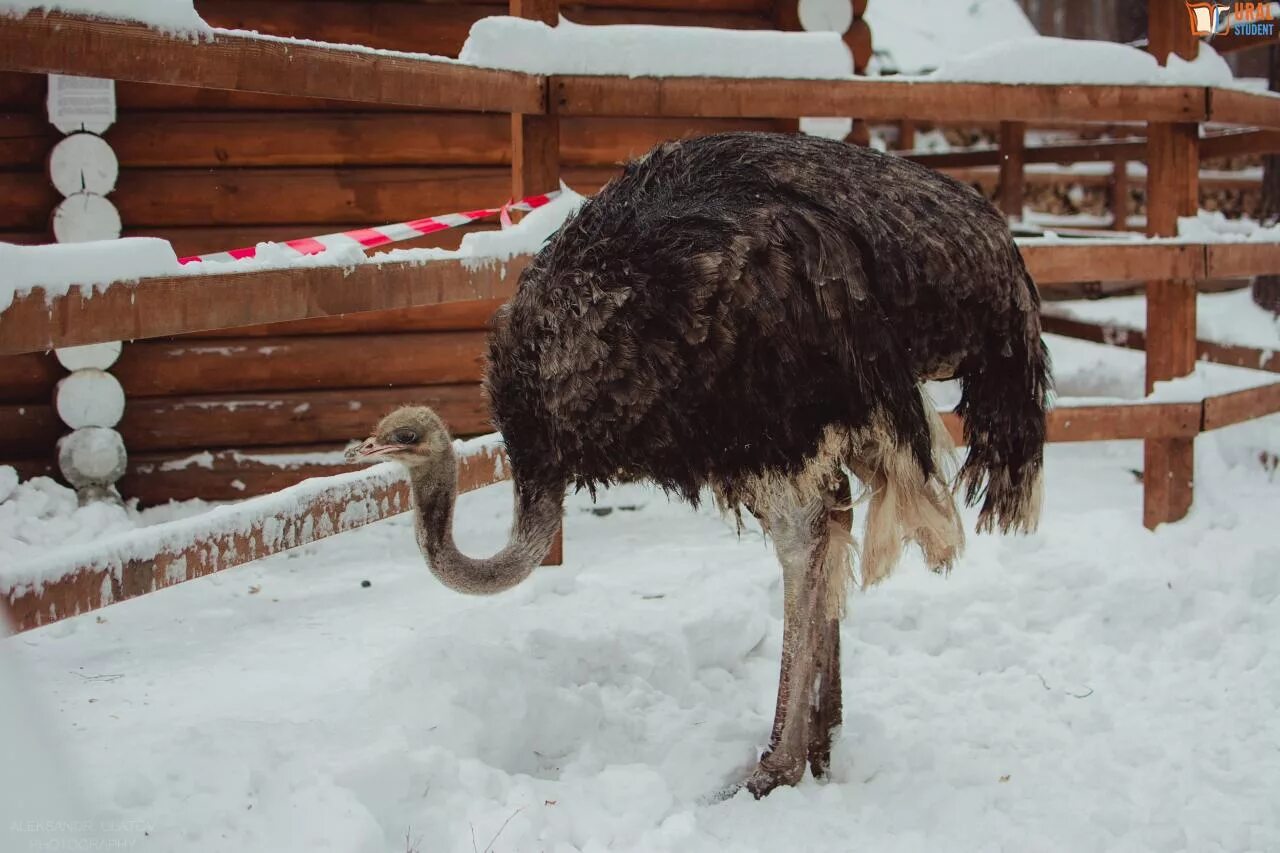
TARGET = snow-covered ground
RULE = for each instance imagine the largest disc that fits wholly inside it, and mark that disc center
(1092, 687)
(1225, 318)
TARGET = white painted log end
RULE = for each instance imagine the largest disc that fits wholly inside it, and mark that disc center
(99, 356)
(83, 162)
(92, 456)
(89, 398)
(84, 217)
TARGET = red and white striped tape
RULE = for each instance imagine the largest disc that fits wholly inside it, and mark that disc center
(381, 235)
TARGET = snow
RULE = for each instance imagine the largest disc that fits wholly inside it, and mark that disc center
(1041, 59)
(914, 37)
(57, 267)
(651, 51)
(1224, 318)
(1092, 687)
(40, 515)
(177, 16)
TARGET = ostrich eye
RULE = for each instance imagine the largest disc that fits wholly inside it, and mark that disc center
(404, 436)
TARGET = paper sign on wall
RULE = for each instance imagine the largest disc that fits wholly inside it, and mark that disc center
(81, 103)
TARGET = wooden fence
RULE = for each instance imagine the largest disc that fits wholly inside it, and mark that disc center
(540, 112)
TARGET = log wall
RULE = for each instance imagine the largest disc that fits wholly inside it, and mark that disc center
(212, 170)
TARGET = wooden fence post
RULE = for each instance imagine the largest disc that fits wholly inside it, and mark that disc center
(535, 161)
(1013, 167)
(535, 139)
(1173, 171)
(1118, 194)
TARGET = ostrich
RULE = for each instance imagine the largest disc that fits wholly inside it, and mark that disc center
(755, 314)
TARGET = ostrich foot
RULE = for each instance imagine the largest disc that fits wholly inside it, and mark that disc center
(771, 772)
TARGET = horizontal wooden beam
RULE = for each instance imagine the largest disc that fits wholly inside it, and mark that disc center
(199, 421)
(176, 305)
(1227, 409)
(1242, 260)
(1255, 109)
(172, 368)
(1085, 260)
(68, 45)
(141, 561)
(878, 100)
(1109, 423)
(1136, 339)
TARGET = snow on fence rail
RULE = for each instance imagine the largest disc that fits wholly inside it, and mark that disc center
(39, 320)
(81, 579)
(69, 45)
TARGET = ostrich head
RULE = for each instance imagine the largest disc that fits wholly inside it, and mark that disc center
(414, 436)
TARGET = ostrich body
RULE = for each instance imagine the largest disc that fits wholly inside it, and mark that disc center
(755, 314)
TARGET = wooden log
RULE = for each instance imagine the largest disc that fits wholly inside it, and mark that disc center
(25, 140)
(96, 48)
(168, 306)
(83, 162)
(1012, 168)
(296, 417)
(1110, 423)
(28, 378)
(227, 475)
(1172, 191)
(84, 217)
(89, 398)
(1227, 409)
(92, 457)
(28, 429)
(189, 366)
(28, 199)
(150, 198)
(858, 39)
(872, 100)
(1242, 260)
(1236, 356)
(449, 317)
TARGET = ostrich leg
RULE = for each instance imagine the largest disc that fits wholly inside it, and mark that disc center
(800, 535)
(826, 714)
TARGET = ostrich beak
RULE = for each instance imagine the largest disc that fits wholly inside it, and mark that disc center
(371, 450)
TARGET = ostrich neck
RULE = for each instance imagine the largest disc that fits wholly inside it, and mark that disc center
(537, 517)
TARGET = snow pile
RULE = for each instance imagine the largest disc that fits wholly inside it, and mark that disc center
(651, 51)
(914, 37)
(1224, 318)
(1214, 227)
(1057, 692)
(39, 516)
(1065, 61)
(96, 264)
(167, 15)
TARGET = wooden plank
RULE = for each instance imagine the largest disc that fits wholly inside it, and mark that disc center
(29, 429)
(285, 418)
(1236, 356)
(152, 558)
(29, 377)
(1110, 423)
(1118, 194)
(1083, 261)
(1012, 168)
(1243, 260)
(304, 362)
(25, 140)
(1239, 143)
(29, 199)
(68, 45)
(169, 306)
(200, 197)
(1257, 109)
(873, 100)
(1227, 409)
(448, 317)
